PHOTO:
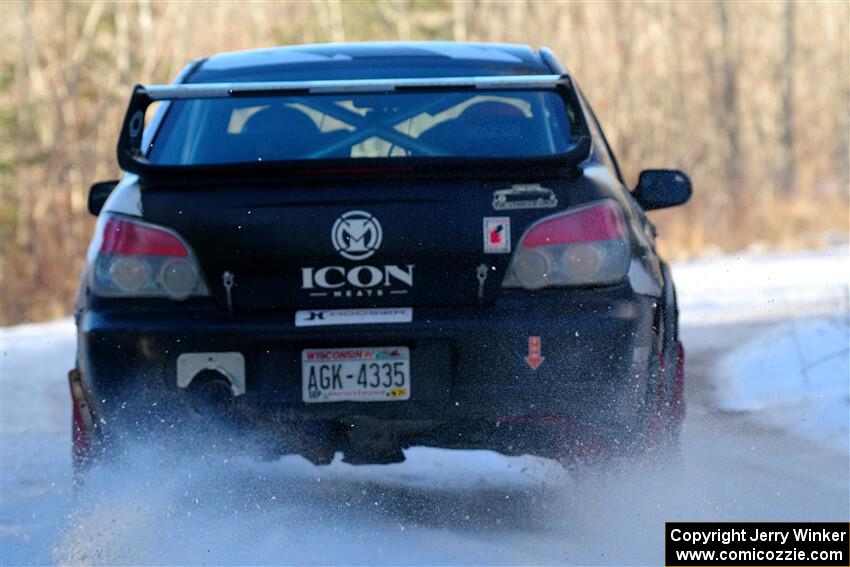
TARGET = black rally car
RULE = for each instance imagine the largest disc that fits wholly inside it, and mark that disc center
(361, 247)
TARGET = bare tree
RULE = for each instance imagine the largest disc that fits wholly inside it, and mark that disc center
(788, 171)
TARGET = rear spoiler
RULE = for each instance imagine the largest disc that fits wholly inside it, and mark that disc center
(133, 158)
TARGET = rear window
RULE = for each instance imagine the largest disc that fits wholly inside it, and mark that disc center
(443, 124)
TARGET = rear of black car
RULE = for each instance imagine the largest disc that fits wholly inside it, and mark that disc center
(361, 268)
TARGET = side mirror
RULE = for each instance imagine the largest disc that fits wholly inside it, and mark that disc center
(662, 188)
(98, 195)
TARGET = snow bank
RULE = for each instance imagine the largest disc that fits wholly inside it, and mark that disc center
(794, 373)
(795, 376)
(763, 287)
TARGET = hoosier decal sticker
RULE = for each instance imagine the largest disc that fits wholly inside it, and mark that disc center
(529, 196)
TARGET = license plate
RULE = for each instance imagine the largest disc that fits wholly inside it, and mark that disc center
(362, 374)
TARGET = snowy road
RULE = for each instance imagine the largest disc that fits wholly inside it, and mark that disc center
(439, 507)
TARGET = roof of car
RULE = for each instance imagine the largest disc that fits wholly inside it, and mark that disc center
(371, 60)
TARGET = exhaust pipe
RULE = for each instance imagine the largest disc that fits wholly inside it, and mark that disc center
(212, 389)
(211, 394)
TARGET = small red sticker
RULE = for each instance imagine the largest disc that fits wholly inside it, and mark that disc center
(497, 235)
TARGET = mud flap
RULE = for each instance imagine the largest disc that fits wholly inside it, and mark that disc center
(677, 403)
(82, 424)
(669, 411)
(654, 436)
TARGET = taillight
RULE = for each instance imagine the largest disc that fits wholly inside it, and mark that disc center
(133, 258)
(587, 245)
(122, 236)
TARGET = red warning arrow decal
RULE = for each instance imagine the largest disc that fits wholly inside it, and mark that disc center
(534, 359)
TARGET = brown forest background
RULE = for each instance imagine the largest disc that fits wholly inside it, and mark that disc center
(752, 99)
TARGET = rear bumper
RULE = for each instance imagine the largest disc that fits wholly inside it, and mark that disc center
(468, 364)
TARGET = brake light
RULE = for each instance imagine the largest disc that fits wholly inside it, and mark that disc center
(127, 237)
(132, 258)
(584, 246)
(601, 222)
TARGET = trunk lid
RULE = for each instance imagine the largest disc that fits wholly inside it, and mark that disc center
(355, 241)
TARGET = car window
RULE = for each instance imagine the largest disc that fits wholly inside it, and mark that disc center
(457, 124)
